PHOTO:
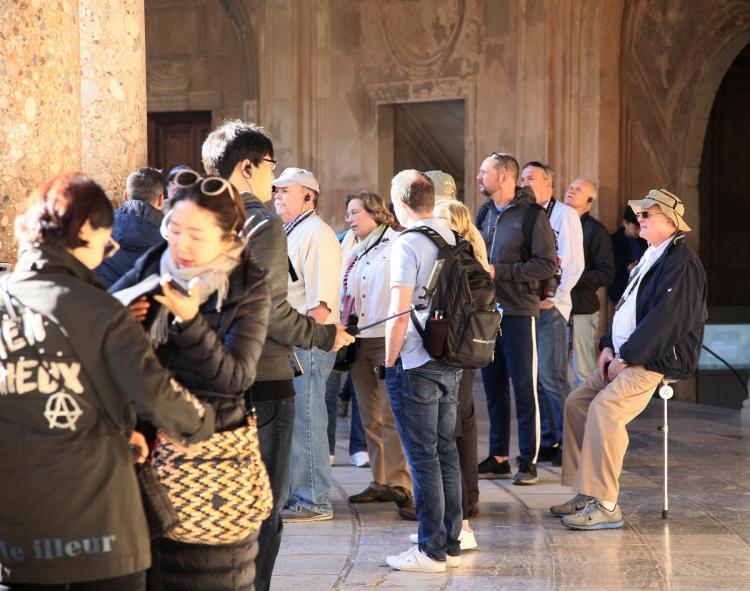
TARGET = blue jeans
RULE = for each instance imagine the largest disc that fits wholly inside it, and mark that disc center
(311, 478)
(515, 358)
(552, 346)
(424, 401)
(334, 391)
(275, 427)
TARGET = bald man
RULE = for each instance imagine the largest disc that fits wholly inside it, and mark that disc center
(599, 271)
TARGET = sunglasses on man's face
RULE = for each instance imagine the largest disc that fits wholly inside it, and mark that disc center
(645, 214)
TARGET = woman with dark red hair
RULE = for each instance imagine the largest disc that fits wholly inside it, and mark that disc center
(74, 369)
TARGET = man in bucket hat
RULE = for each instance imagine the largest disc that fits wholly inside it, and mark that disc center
(656, 333)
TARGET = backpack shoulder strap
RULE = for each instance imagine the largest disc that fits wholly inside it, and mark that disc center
(431, 234)
(481, 215)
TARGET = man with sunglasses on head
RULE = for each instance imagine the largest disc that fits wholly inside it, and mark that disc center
(656, 335)
(554, 310)
(517, 266)
(243, 153)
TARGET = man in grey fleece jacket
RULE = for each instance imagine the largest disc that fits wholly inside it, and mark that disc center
(243, 154)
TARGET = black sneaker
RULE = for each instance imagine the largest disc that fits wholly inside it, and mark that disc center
(547, 453)
(557, 460)
(491, 469)
(526, 474)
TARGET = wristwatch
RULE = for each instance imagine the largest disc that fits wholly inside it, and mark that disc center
(620, 360)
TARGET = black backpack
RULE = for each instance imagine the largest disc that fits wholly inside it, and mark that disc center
(464, 321)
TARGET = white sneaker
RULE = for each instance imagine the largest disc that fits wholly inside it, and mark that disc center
(332, 459)
(361, 459)
(414, 561)
(466, 537)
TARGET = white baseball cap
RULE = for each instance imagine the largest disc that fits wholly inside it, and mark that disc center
(297, 176)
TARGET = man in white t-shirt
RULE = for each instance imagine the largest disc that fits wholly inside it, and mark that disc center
(314, 268)
(423, 391)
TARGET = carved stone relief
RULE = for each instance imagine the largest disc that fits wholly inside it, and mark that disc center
(418, 34)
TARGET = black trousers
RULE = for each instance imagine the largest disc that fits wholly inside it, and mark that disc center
(134, 582)
(466, 442)
(275, 428)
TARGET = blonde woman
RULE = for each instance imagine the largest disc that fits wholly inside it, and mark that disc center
(459, 217)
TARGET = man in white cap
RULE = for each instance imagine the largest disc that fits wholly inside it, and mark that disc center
(656, 333)
(314, 268)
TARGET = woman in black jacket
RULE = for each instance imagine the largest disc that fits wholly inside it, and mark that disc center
(73, 364)
(210, 340)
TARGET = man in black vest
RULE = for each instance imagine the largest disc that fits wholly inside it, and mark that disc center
(599, 271)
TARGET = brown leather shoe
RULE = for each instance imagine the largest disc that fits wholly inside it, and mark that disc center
(408, 513)
(374, 493)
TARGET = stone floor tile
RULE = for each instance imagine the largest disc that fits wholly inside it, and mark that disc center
(310, 564)
(705, 545)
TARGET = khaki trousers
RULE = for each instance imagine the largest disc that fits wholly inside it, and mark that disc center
(594, 436)
(387, 460)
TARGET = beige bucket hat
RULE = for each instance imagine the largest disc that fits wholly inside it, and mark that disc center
(669, 203)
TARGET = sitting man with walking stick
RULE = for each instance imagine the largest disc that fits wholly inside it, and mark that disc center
(656, 334)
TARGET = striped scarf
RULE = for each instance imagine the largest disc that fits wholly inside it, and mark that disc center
(297, 221)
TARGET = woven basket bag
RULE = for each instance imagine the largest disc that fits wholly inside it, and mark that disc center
(222, 492)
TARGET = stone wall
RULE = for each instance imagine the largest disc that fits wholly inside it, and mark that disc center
(533, 80)
(200, 57)
(72, 96)
(674, 56)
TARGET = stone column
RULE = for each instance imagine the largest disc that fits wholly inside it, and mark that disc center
(40, 132)
(72, 96)
(113, 90)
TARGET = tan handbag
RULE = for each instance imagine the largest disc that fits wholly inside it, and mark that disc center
(222, 493)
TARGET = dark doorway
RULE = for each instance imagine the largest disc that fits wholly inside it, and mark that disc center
(176, 138)
(724, 190)
(424, 136)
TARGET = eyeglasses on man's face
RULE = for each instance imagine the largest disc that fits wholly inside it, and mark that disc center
(273, 163)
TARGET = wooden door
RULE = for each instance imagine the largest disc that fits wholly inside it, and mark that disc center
(723, 188)
(176, 138)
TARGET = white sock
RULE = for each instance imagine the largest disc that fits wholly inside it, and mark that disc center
(608, 505)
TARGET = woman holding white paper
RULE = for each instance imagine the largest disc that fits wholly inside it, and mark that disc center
(210, 339)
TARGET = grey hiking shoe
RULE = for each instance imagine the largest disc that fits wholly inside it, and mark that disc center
(574, 505)
(526, 474)
(594, 516)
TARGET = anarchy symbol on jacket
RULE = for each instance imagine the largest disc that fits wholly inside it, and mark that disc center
(62, 411)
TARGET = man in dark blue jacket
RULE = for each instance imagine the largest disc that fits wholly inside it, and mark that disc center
(656, 333)
(137, 223)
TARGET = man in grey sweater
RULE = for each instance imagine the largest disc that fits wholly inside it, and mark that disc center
(243, 154)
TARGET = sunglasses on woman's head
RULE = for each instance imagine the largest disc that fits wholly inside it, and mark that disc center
(210, 185)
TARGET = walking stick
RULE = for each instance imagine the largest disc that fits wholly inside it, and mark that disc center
(665, 393)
